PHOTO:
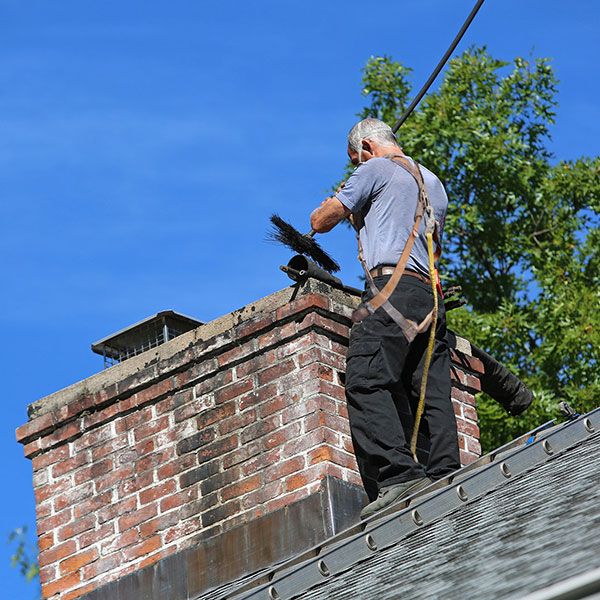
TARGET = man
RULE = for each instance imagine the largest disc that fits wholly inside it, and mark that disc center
(384, 369)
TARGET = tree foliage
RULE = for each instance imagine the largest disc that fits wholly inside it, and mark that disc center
(24, 556)
(523, 229)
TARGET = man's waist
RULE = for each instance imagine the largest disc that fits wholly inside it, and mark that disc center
(383, 270)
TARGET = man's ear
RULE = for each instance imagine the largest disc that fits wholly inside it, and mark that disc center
(367, 146)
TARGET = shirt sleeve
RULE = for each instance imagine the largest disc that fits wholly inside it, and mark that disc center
(361, 185)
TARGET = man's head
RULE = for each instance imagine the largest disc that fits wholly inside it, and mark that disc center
(369, 138)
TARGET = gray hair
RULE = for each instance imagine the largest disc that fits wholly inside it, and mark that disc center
(371, 129)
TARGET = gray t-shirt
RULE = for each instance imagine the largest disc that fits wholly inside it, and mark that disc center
(386, 196)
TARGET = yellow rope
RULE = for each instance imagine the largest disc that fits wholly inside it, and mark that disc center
(432, 277)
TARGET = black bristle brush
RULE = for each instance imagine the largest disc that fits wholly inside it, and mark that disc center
(285, 234)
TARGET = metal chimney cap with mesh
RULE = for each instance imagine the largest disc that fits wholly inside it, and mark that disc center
(144, 335)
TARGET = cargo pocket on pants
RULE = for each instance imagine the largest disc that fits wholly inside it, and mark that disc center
(365, 366)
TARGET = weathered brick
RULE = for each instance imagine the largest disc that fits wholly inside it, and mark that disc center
(158, 491)
(182, 530)
(276, 371)
(177, 500)
(50, 457)
(76, 527)
(217, 448)
(220, 513)
(116, 509)
(212, 383)
(58, 585)
(78, 592)
(45, 541)
(304, 303)
(239, 489)
(170, 469)
(146, 547)
(263, 494)
(199, 474)
(101, 566)
(194, 408)
(196, 441)
(277, 335)
(241, 454)
(279, 470)
(135, 484)
(282, 436)
(92, 438)
(216, 414)
(77, 561)
(219, 480)
(109, 447)
(98, 534)
(73, 496)
(331, 454)
(135, 518)
(260, 429)
(34, 428)
(149, 528)
(151, 428)
(236, 422)
(52, 489)
(233, 390)
(253, 326)
(255, 364)
(51, 523)
(154, 460)
(58, 552)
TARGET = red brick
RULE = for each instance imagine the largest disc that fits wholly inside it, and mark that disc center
(116, 509)
(182, 530)
(92, 537)
(139, 516)
(470, 413)
(220, 513)
(274, 405)
(46, 541)
(60, 585)
(177, 500)
(285, 500)
(260, 428)
(254, 325)
(146, 547)
(158, 491)
(212, 383)
(155, 391)
(183, 463)
(262, 495)
(135, 484)
(78, 592)
(70, 464)
(465, 361)
(324, 419)
(76, 527)
(50, 457)
(279, 470)
(47, 574)
(35, 427)
(151, 428)
(217, 448)
(45, 525)
(149, 528)
(467, 427)
(304, 303)
(275, 372)
(314, 320)
(109, 447)
(93, 438)
(462, 396)
(33, 448)
(283, 435)
(153, 558)
(131, 421)
(328, 453)
(102, 416)
(114, 478)
(233, 390)
(132, 536)
(467, 458)
(194, 408)
(215, 414)
(241, 454)
(52, 489)
(278, 335)
(94, 471)
(239, 489)
(73, 496)
(77, 561)
(332, 389)
(101, 566)
(154, 460)
(255, 364)
(238, 421)
(58, 552)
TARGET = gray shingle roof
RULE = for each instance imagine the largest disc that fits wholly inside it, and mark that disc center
(527, 520)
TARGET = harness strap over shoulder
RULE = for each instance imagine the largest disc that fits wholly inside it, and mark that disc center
(381, 297)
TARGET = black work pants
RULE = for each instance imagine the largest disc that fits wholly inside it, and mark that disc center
(383, 381)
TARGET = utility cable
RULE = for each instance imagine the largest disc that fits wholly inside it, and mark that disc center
(437, 70)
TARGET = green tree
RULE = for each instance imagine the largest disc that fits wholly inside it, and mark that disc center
(24, 557)
(523, 229)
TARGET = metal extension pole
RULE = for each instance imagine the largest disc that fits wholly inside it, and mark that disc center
(438, 68)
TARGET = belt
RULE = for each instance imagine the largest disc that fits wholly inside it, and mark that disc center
(381, 271)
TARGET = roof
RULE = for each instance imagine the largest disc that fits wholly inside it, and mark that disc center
(519, 520)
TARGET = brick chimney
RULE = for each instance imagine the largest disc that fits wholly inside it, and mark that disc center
(218, 453)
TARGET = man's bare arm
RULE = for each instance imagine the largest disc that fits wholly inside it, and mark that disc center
(328, 215)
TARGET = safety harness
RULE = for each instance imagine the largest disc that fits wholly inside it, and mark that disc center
(410, 329)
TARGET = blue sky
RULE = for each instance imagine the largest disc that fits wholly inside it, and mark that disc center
(144, 145)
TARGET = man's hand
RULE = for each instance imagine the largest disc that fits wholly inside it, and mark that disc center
(328, 215)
